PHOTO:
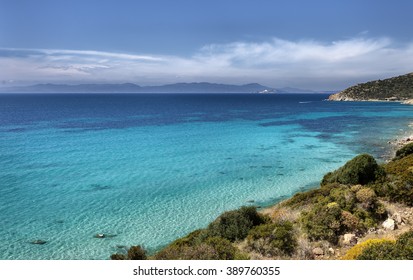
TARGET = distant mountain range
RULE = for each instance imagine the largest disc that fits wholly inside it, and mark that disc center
(134, 88)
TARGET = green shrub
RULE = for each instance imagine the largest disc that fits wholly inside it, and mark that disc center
(344, 197)
(134, 253)
(367, 198)
(399, 184)
(312, 196)
(378, 251)
(362, 169)
(323, 222)
(402, 249)
(234, 225)
(118, 257)
(356, 250)
(213, 248)
(273, 239)
(404, 246)
(350, 222)
(404, 151)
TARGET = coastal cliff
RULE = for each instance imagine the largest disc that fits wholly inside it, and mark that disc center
(398, 88)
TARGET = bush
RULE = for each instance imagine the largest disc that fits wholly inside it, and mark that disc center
(134, 253)
(273, 239)
(311, 196)
(362, 169)
(404, 246)
(367, 198)
(399, 186)
(350, 222)
(404, 151)
(344, 197)
(213, 248)
(118, 257)
(323, 222)
(356, 250)
(402, 249)
(378, 251)
(234, 225)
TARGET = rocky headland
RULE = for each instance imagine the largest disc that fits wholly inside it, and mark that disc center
(398, 88)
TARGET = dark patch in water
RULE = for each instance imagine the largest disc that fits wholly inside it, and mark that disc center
(266, 166)
(221, 172)
(97, 187)
(20, 129)
(280, 174)
(310, 147)
(38, 242)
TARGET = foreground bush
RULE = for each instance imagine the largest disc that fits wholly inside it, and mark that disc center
(402, 249)
(212, 248)
(273, 239)
(355, 251)
(362, 169)
(323, 222)
(399, 184)
(234, 225)
(378, 251)
(134, 253)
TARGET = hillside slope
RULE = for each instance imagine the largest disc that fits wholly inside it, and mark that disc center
(398, 88)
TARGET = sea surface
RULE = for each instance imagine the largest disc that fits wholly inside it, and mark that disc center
(147, 169)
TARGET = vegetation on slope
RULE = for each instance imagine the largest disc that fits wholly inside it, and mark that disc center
(397, 88)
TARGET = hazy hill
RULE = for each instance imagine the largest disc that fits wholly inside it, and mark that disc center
(169, 88)
(133, 88)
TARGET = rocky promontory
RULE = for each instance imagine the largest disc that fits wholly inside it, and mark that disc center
(398, 88)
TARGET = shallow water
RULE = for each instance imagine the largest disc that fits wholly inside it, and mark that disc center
(150, 168)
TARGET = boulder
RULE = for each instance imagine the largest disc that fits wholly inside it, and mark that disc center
(318, 251)
(389, 224)
(349, 239)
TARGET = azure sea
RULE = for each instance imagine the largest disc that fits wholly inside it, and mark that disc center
(147, 169)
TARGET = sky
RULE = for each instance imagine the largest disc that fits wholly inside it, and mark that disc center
(317, 44)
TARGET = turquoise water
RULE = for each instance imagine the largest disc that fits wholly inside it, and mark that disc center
(148, 169)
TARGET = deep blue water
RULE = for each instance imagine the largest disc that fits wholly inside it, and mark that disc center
(150, 168)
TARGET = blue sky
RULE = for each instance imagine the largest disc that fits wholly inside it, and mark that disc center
(308, 44)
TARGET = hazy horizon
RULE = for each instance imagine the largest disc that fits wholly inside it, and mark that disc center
(317, 45)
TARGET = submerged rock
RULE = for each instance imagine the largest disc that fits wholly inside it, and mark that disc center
(38, 242)
(103, 235)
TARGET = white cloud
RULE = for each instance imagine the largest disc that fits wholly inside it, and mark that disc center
(277, 62)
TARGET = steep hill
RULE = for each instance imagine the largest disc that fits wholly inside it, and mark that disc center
(394, 89)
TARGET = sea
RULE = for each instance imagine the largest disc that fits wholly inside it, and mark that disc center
(145, 169)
